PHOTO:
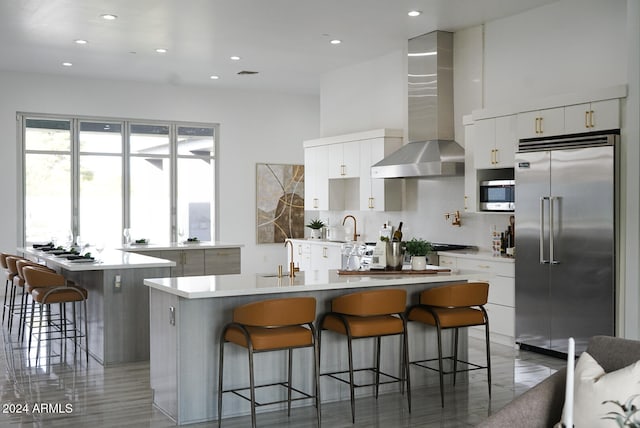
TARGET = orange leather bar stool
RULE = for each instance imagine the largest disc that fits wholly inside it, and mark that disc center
(9, 280)
(26, 292)
(12, 274)
(48, 288)
(369, 314)
(271, 325)
(452, 307)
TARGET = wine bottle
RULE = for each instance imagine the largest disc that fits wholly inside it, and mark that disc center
(397, 235)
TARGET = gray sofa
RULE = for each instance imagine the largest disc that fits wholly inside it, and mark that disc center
(541, 406)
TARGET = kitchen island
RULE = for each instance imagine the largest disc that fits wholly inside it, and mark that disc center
(118, 303)
(187, 315)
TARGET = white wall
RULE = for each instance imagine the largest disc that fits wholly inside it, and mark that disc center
(364, 96)
(564, 47)
(254, 127)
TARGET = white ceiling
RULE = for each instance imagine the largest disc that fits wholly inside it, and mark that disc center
(287, 41)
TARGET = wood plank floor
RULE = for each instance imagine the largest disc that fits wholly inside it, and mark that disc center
(62, 390)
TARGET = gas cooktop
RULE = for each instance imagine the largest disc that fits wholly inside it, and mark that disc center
(447, 247)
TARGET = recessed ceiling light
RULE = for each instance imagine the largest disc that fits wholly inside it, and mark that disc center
(161, 50)
(235, 58)
(81, 42)
(336, 42)
(414, 13)
(109, 17)
(214, 77)
(67, 64)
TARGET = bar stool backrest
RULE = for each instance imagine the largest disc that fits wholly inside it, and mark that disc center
(3, 259)
(21, 264)
(38, 278)
(277, 312)
(456, 295)
(371, 303)
(11, 264)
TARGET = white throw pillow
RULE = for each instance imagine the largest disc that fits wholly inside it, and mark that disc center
(592, 386)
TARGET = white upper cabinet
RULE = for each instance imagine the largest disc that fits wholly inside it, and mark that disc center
(338, 172)
(470, 182)
(344, 160)
(595, 116)
(378, 194)
(495, 141)
(541, 123)
(316, 183)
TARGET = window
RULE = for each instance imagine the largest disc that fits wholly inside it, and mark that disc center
(93, 177)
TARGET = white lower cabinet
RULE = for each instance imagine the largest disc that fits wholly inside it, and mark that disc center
(316, 255)
(501, 302)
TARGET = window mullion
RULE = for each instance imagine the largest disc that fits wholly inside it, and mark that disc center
(75, 177)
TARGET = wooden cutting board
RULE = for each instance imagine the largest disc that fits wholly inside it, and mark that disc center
(392, 272)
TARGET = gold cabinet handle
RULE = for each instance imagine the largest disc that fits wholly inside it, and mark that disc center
(324, 252)
(495, 156)
(484, 266)
(465, 202)
(315, 202)
(586, 119)
(371, 203)
(591, 124)
(541, 125)
(343, 170)
(537, 125)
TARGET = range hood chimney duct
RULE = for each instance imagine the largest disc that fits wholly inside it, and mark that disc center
(431, 150)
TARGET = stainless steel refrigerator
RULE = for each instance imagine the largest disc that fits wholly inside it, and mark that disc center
(565, 240)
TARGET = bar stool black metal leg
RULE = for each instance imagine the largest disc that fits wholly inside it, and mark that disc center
(6, 293)
(351, 387)
(289, 383)
(455, 354)
(220, 375)
(440, 365)
(486, 326)
(316, 368)
(252, 384)
(377, 365)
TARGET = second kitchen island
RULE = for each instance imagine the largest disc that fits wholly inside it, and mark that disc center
(187, 315)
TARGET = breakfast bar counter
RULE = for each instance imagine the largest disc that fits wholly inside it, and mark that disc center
(118, 303)
(187, 316)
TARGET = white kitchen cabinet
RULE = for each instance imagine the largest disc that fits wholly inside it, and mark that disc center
(311, 254)
(316, 183)
(500, 274)
(378, 194)
(541, 123)
(338, 175)
(470, 178)
(344, 160)
(594, 116)
(495, 142)
(326, 256)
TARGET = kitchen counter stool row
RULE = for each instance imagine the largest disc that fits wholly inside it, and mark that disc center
(44, 287)
(288, 324)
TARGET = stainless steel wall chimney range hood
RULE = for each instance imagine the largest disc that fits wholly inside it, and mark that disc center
(431, 151)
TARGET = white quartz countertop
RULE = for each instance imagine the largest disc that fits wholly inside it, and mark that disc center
(200, 287)
(477, 255)
(202, 245)
(109, 259)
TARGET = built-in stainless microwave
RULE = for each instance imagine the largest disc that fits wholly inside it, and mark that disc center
(497, 195)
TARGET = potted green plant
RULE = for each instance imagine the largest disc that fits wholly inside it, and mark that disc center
(418, 250)
(316, 228)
